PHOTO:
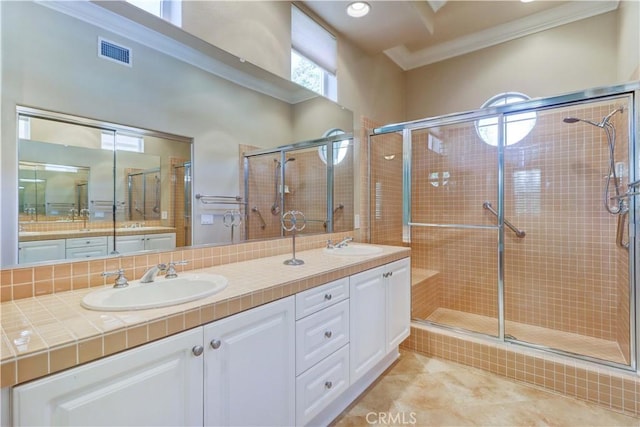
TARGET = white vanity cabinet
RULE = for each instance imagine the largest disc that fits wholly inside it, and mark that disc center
(157, 384)
(380, 314)
(86, 247)
(322, 348)
(41, 250)
(250, 367)
(142, 242)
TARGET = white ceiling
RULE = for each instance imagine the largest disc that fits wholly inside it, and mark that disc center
(417, 33)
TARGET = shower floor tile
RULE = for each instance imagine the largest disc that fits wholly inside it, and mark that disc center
(425, 391)
(567, 341)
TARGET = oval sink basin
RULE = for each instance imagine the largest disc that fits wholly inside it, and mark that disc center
(354, 250)
(160, 293)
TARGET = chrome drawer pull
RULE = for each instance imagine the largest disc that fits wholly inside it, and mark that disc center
(215, 344)
(328, 385)
(328, 334)
(327, 297)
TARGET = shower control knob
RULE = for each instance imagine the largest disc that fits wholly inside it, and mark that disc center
(215, 344)
(197, 350)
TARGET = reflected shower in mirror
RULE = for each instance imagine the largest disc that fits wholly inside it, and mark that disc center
(88, 188)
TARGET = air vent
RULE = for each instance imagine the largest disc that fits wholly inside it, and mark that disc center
(114, 52)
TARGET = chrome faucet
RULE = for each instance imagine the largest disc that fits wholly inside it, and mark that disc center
(150, 275)
(171, 270)
(121, 280)
(344, 242)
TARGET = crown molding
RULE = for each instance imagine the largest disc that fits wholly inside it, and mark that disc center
(221, 66)
(541, 21)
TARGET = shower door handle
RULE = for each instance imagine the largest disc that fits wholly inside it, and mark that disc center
(519, 233)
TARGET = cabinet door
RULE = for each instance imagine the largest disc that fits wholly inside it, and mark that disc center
(43, 250)
(398, 302)
(160, 241)
(127, 244)
(368, 325)
(157, 384)
(250, 367)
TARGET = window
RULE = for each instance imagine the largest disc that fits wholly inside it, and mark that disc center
(122, 142)
(24, 127)
(516, 126)
(169, 10)
(313, 55)
(340, 148)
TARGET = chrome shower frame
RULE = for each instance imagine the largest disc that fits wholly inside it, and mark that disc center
(282, 151)
(575, 98)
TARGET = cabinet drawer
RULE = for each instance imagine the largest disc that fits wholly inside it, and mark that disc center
(88, 241)
(88, 252)
(313, 300)
(320, 385)
(320, 334)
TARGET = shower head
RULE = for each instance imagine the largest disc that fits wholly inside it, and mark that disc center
(290, 159)
(604, 122)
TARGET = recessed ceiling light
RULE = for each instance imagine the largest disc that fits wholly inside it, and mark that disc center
(358, 9)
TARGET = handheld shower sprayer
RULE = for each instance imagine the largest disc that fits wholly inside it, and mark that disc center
(275, 207)
(610, 131)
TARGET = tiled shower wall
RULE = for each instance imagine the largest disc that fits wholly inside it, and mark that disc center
(306, 182)
(566, 273)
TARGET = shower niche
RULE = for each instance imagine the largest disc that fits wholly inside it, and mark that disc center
(551, 264)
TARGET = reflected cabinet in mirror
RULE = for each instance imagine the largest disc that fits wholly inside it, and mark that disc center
(88, 189)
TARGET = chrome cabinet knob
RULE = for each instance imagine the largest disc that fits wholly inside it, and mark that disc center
(328, 334)
(215, 344)
(197, 350)
(328, 385)
(328, 297)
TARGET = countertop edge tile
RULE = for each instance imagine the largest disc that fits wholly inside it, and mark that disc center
(182, 317)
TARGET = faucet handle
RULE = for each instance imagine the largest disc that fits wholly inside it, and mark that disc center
(330, 244)
(171, 269)
(121, 281)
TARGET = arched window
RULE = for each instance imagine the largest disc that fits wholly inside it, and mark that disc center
(339, 147)
(516, 126)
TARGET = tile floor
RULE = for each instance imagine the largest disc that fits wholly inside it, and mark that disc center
(424, 391)
(575, 343)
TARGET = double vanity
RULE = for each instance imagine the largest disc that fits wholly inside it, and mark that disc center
(267, 344)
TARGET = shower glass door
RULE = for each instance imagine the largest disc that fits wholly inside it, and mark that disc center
(454, 237)
(567, 283)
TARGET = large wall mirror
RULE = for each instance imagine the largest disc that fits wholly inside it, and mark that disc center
(60, 176)
(88, 188)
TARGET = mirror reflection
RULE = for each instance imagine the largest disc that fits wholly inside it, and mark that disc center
(45, 67)
(89, 190)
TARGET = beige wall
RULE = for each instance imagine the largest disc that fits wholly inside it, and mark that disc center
(629, 40)
(573, 57)
(258, 31)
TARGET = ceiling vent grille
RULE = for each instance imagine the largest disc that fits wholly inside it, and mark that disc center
(114, 52)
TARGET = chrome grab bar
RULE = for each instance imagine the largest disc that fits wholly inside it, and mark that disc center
(519, 233)
(622, 220)
(264, 224)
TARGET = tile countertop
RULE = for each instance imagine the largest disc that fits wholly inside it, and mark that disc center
(50, 333)
(32, 236)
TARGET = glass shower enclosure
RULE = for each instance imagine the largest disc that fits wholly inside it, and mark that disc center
(521, 220)
(314, 177)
